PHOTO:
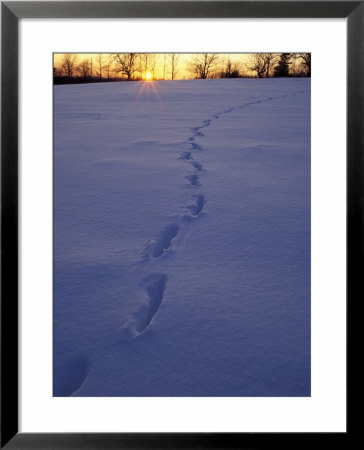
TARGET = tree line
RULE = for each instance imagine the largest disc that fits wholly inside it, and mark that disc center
(139, 66)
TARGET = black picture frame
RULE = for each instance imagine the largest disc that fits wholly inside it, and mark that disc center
(11, 12)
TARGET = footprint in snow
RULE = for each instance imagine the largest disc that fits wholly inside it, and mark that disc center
(196, 132)
(196, 146)
(197, 208)
(197, 166)
(193, 179)
(155, 286)
(163, 242)
(185, 155)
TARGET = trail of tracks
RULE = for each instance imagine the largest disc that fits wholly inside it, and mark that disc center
(155, 284)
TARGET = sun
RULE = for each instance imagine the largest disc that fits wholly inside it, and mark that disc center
(148, 76)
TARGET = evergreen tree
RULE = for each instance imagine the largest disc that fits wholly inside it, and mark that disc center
(282, 68)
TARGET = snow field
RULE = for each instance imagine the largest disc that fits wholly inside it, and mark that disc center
(182, 238)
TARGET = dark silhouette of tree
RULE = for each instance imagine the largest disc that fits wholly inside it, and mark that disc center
(108, 66)
(69, 64)
(228, 69)
(305, 61)
(57, 71)
(84, 68)
(201, 65)
(231, 70)
(153, 64)
(99, 65)
(173, 63)
(145, 63)
(146, 68)
(125, 63)
(269, 60)
(257, 64)
(282, 68)
(261, 64)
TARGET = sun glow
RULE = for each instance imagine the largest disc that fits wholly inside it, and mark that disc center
(148, 76)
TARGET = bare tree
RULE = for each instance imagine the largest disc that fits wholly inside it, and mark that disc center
(68, 64)
(269, 60)
(261, 64)
(257, 64)
(57, 71)
(305, 61)
(108, 65)
(173, 61)
(230, 70)
(146, 67)
(99, 64)
(201, 65)
(84, 68)
(140, 61)
(125, 63)
(153, 63)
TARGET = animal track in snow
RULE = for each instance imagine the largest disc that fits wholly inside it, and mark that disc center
(164, 241)
(195, 146)
(207, 122)
(193, 179)
(185, 155)
(196, 132)
(155, 285)
(198, 207)
(197, 166)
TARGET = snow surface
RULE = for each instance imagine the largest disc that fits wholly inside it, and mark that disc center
(182, 238)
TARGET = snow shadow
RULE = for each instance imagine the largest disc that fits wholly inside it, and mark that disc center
(70, 376)
(154, 285)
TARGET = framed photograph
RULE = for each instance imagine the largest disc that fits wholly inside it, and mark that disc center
(181, 212)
